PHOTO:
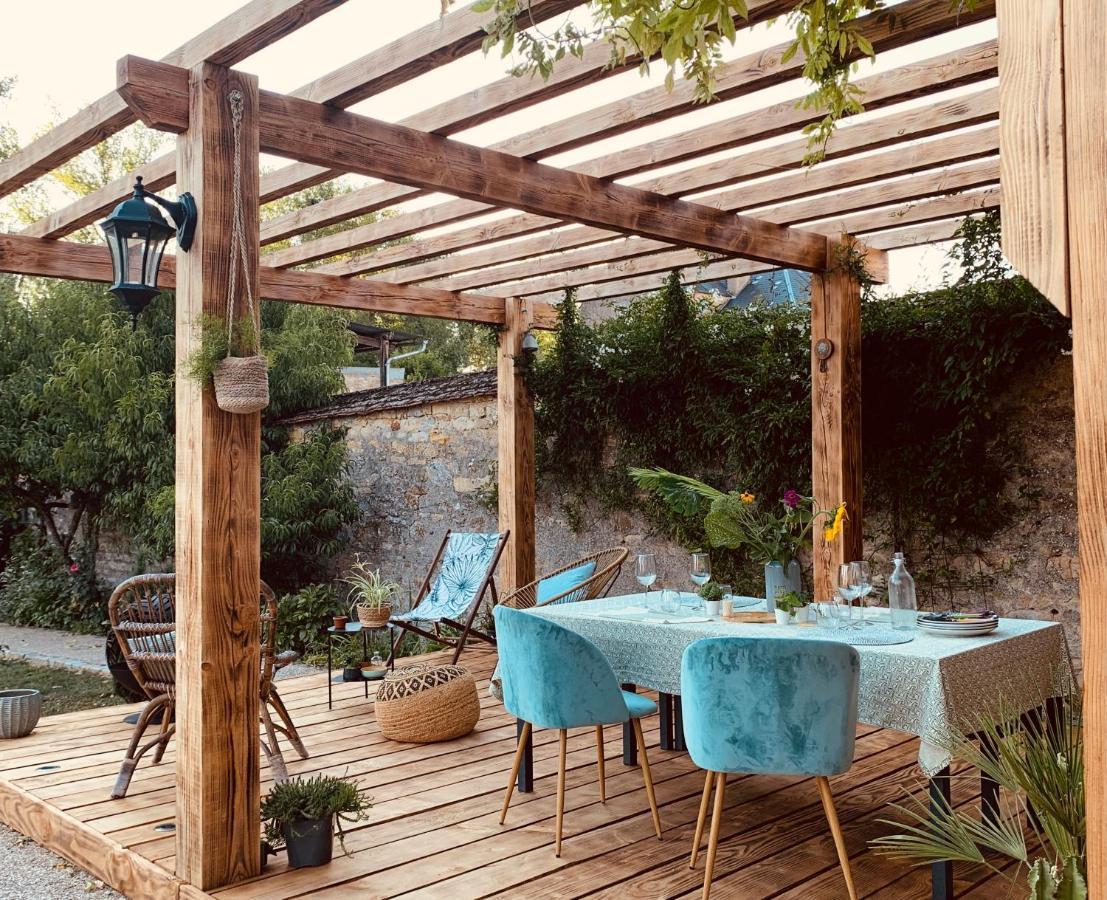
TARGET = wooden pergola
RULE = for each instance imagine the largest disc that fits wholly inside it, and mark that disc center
(905, 174)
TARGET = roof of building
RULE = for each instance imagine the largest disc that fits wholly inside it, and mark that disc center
(776, 286)
(369, 336)
(400, 396)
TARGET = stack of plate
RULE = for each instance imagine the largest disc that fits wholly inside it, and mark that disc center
(966, 624)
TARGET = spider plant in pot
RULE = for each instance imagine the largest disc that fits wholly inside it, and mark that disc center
(1038, 762)
(301, 814)
(371, 594)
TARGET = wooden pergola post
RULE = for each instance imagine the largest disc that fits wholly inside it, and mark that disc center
(836, 416)
(516, 474)
(217, 514)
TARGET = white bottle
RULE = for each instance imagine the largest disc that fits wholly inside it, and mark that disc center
(902, 605)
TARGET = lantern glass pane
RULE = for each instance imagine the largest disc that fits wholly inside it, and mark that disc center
(135, 250)
(153, 260)
(114, 244)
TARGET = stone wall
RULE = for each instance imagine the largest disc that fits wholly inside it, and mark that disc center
(422, 468)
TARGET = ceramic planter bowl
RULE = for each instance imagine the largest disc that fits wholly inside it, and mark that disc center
(19, 712)
(713, 607)
(783, 617)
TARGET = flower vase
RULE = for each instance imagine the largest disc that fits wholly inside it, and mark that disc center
(776, 584)
(793, 574)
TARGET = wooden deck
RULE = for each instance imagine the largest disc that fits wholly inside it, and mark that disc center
(433, 831)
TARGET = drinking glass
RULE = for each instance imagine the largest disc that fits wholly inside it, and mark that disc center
(847, 593)
(670, 601)
(701, 568)
(862, 579)
(645, 570)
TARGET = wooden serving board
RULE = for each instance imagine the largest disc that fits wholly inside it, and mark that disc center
(751, 618)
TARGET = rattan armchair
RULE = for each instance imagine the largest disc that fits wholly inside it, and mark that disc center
(608, 564)
(142, 612)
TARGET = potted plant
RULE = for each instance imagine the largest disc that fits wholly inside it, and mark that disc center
(371, 593)
(774, 533)
(712, 595)
(350, 656)
(340, 622)
(786, 607)
(229, 358)
(301, 813)
(1040, 769)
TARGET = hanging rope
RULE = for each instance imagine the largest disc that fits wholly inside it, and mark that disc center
(238, 226)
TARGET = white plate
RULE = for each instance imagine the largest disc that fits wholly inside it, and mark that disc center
(974, 631)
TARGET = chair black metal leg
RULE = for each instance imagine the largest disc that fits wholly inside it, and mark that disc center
(630, 745)
(665, 715)
(941, 873)
(678, 726)
(524, 783)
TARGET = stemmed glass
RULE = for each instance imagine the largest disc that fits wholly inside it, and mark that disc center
(864, 583)
(645, 570)
(700, 574)
(848, 591)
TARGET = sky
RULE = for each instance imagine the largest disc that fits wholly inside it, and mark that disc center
(63, 53)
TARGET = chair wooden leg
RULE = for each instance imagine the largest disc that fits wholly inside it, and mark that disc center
(562, 739)
(290, 731)
(163, 737)
(713, 840)
(524, 736)
(600, 763)
(836, 832)
(705, 801)
(272, 747)
(647, 776)
(134, 752)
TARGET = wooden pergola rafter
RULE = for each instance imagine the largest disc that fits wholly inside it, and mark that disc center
(720, 199)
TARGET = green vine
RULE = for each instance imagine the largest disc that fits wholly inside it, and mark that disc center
(688, 37)
(724, 396)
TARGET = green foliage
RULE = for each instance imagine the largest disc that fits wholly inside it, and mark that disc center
(301, 616)
(724, 396)
(368, 587)
(317, 797)
(215, 346)
(711, 591)
(791, 602)
(1040, 767)
(38, 588)
(689, 35)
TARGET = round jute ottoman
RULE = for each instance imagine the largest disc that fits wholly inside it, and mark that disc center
(422, 704)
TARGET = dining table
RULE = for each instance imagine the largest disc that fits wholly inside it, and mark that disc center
(930, 685)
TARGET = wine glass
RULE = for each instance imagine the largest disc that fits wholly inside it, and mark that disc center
(847, 593)
(701, 568)
(864, 584)
(645, 570)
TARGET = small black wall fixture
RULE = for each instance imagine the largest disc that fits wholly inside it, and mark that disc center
(136, 233)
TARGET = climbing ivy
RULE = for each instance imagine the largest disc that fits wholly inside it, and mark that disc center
(724, 395)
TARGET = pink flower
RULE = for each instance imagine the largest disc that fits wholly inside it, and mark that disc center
(791, 499)
(74, 568)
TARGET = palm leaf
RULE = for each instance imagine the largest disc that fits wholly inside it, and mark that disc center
(684, 495)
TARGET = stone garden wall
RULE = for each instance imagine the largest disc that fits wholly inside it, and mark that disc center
(424, 461)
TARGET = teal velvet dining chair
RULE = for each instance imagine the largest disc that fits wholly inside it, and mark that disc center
(555, 678)
(768, 706)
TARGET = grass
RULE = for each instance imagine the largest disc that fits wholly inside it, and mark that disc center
(63, 690)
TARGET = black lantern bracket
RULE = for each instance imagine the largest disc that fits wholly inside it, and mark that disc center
(182, 212)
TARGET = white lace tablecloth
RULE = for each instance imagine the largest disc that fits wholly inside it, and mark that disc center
(928, 687)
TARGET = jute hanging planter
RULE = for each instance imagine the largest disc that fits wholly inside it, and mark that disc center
(241, 382)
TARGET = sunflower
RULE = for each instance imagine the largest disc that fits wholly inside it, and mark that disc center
(835, 528)
(746, 497)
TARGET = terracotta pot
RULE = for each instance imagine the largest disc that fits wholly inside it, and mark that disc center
(340, 622)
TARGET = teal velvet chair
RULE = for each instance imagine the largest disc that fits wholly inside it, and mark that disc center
(768, 706)
(554, 678)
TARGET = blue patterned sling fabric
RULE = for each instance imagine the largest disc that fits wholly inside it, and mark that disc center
(783, 706)
(464, 565)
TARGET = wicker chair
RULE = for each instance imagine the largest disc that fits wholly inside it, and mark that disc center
(142, 612)
(608, 564)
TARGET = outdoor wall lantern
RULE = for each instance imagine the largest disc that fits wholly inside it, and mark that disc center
(136, 233)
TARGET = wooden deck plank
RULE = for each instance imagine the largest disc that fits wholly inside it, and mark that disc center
(433, 830)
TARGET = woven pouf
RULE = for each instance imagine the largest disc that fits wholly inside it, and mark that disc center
(423, 704)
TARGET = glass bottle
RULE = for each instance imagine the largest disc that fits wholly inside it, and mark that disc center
(902, 605)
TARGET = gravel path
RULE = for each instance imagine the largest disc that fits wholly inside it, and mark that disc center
(55, 648)
(28, 872)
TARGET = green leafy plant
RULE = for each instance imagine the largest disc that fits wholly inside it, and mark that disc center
(688, 37)
(301, 617)
(318, 797)
(712, 591)
(791, 602)
(216, 342)
(736, 519)
(368, 587)
(1040, 767)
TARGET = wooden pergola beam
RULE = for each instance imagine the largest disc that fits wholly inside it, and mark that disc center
(386, 67)
(229, 41)
(89, 262)
(947, 70)
(301, 129)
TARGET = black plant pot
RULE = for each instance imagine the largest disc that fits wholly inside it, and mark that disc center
(310, 842)
(351, 673)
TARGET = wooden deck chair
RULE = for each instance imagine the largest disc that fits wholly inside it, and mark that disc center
(462, 572)
(142, 612)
